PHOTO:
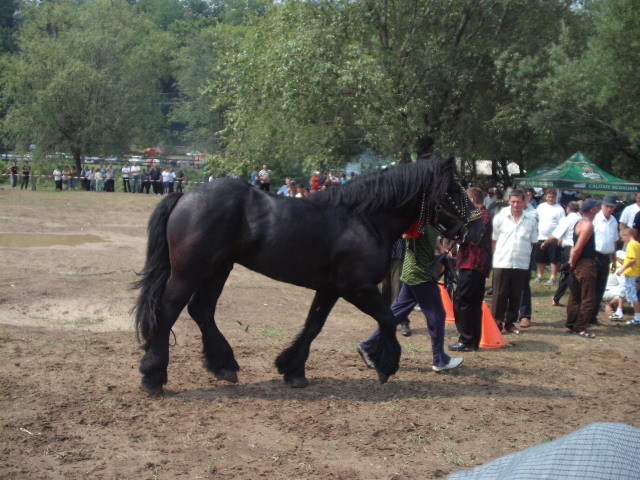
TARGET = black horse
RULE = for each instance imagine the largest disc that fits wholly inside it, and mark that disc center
(339, 247)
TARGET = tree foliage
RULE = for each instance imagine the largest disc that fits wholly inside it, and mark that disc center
(85, 79)
(307, 84)
(591, 97)
(317, 81)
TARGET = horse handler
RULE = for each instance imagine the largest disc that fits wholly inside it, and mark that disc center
(419, 286)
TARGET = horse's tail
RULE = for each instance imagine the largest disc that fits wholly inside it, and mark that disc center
(156, 271)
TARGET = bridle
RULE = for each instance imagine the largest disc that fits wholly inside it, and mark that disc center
(430, 214)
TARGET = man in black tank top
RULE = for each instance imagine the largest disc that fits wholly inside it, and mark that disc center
(582, 295)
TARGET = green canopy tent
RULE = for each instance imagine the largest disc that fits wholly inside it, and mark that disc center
(578, 172)
(550, 165)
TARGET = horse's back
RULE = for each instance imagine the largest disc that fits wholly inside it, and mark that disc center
(294, 240)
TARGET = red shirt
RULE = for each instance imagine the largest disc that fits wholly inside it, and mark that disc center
(478, 257)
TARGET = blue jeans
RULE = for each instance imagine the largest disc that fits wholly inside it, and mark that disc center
(427, 296)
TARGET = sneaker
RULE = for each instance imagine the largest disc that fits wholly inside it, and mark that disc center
(550, 282)
(538, 280)
(633, 322)
(365, 357)
(453, 363)
(406, 330)
(616, 316)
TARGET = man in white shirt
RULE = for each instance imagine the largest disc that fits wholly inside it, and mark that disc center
(605, 231)
(563, 235)
(526, 311)
(549, 216)
(491, 198)
(265, 175)
(514, 234)
(135, 174)
(126, 172)
(628, 214)
(57, 177)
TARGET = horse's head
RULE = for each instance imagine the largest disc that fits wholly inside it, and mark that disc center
(448, 208)
(455, 217)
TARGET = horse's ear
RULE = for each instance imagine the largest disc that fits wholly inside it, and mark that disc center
(450, 164)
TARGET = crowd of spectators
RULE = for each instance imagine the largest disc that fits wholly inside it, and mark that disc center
(316, 182)
(601, 253)
(576, 246)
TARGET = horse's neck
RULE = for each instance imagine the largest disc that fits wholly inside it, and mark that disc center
(392, 223)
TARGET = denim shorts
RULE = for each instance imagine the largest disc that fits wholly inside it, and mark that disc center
(629, 289)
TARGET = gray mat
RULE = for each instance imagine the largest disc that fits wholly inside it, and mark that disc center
(600, 451)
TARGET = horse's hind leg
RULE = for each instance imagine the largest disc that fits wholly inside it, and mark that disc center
(218, 354)
(291, 362)
(153, 365)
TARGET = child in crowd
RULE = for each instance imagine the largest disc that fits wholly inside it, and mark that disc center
(631, 269)
(615, 286)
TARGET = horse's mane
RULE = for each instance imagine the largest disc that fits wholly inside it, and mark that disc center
(392, 187)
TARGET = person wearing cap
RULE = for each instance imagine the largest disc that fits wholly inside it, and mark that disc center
(605, 231)
(582, 292)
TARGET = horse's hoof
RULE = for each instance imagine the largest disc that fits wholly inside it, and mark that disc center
(152, 391)
(297, 382)
(383, 377)
(230, 376)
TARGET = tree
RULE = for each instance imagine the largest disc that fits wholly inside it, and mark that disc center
(319, 80)
(503, 131)
(196, 66)
(593, 92)
(288, 92)
(85, 79)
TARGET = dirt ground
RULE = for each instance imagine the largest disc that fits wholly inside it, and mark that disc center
(71, 407)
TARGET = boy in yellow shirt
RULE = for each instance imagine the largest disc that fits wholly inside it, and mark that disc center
(631, 270)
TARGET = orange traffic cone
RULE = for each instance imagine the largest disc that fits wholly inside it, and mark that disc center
(448, 304)
(491, 336)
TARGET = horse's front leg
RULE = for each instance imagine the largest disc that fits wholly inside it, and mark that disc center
(385, 349)
(291, 362)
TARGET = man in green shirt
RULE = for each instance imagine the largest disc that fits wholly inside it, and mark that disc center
(419, 286)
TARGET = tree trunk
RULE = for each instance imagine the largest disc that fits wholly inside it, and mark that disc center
(77, 158)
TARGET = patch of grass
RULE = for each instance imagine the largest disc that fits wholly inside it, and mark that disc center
(273, 332)
(458, 458)
(87, 321)
(419, 438)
